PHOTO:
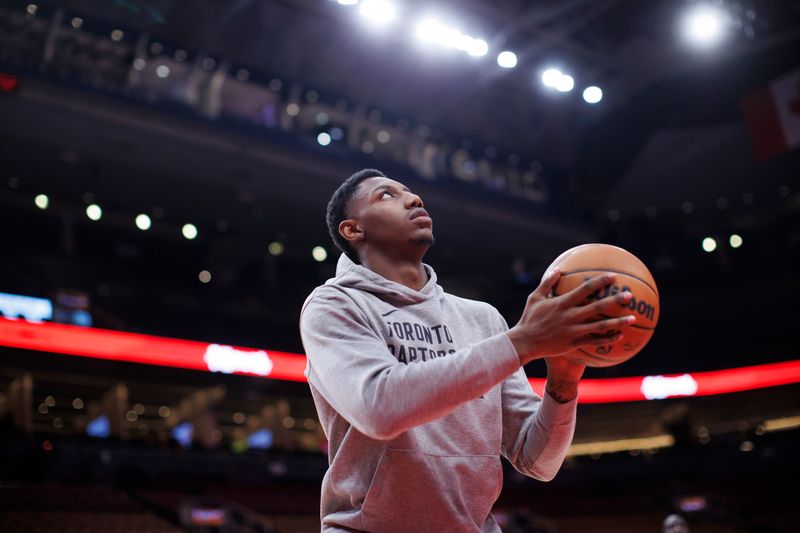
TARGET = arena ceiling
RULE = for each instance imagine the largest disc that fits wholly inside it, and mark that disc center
(651, 78)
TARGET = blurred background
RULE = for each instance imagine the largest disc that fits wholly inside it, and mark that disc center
(164, 171)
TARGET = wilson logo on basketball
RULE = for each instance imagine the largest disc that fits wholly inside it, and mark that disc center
(639, 306)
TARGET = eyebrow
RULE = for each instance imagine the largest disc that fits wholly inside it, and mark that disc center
(388, 186)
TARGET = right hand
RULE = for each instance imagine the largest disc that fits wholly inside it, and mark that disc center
(554, 325)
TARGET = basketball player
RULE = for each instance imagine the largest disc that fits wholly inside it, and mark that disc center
(419, 391)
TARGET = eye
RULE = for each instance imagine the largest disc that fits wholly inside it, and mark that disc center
(384, 193)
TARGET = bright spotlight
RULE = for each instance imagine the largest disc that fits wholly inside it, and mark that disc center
(41, 201)
(463, 42)
(704, 25)
(709, 244)
(324, 138)
(319, 253)
(380, 11)
(143, 222)
(736, 241)
(189, 231)
(565, 83)
(478, 48)
(204, 276)
(507, 59)
(592, 94)
(94, 212)
(428, 30)
(162, 71)
(451, 37)
(550, 77)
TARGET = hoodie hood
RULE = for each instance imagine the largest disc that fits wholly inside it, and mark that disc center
(351, 275)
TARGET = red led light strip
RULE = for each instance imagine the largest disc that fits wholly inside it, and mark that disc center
(148, 349)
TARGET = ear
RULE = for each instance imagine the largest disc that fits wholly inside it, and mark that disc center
(351, 230)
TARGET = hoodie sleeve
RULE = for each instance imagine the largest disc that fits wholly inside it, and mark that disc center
(537, 431)
(351, 366)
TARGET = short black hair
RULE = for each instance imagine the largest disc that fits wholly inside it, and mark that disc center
(339, 204)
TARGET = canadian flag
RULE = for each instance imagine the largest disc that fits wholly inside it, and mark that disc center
(773, 116)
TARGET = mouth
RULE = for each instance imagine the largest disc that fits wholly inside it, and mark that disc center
(420, 216)
(419, 212)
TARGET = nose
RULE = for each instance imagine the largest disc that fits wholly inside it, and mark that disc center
(413, 200)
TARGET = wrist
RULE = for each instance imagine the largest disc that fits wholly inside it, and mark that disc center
(527, 350)
(560, 390)
(520, 344)
(563, 377)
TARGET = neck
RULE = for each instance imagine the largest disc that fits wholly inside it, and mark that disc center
(408, 272)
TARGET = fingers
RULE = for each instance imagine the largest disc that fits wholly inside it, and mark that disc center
(609, 337)
(605, 305)
(579, 294)
(548, 283)
(605, 327)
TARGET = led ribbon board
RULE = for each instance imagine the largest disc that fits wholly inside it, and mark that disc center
(194, 355)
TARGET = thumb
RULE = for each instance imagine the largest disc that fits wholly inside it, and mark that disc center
(549, 281)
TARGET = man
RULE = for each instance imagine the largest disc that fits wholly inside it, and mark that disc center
(419, 391)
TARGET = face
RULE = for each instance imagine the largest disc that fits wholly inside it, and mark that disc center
(385, 215)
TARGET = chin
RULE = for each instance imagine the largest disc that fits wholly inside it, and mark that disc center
(427, 239)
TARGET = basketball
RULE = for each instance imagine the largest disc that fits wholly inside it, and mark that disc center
(589, 260)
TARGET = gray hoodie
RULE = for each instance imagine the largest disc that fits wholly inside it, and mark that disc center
(419, 393)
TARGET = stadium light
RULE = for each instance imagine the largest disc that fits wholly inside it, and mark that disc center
(319, 253)
(143, 222)
(507, 59)
(41, 201)
(379, 11)
(550, 77)
(275, 248)
(592, 95)
(324, 138)
(709, 244)
(565, 83)
(430, 30)
(478, 48)
(555, 79)
(94, 212)
(189, 231)
(704, 25)
(735, 241)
